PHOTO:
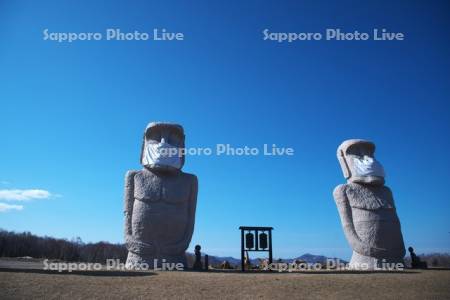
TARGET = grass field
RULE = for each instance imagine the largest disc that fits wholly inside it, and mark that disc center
(24, 282)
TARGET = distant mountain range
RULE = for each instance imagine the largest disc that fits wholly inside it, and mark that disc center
(307, 257)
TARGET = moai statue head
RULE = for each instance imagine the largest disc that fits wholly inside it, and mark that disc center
(163, 147)
(358, 162)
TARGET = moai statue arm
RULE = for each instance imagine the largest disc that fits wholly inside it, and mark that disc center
(129, 202)
(192, 208)
(400, 237)
(183, 244)
(345, 212)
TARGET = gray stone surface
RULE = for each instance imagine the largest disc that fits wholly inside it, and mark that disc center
(367, 211)
(160, 203)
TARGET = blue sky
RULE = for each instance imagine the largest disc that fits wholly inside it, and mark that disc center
(73, 114)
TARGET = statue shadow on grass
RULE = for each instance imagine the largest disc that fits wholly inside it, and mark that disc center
(105, 273)
(329, 272)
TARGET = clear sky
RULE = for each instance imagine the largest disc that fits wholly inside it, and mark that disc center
(73, 115)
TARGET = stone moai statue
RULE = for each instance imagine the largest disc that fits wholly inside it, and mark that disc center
(367, 208)
(160, 200)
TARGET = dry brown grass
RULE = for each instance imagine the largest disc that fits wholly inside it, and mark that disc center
(36, 284)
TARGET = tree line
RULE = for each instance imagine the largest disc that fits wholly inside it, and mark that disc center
(14, 244)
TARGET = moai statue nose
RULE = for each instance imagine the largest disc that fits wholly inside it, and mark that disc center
(368, 158)
(164, 137)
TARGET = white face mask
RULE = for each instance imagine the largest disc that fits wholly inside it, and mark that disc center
(367, 166)
(162, 154)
